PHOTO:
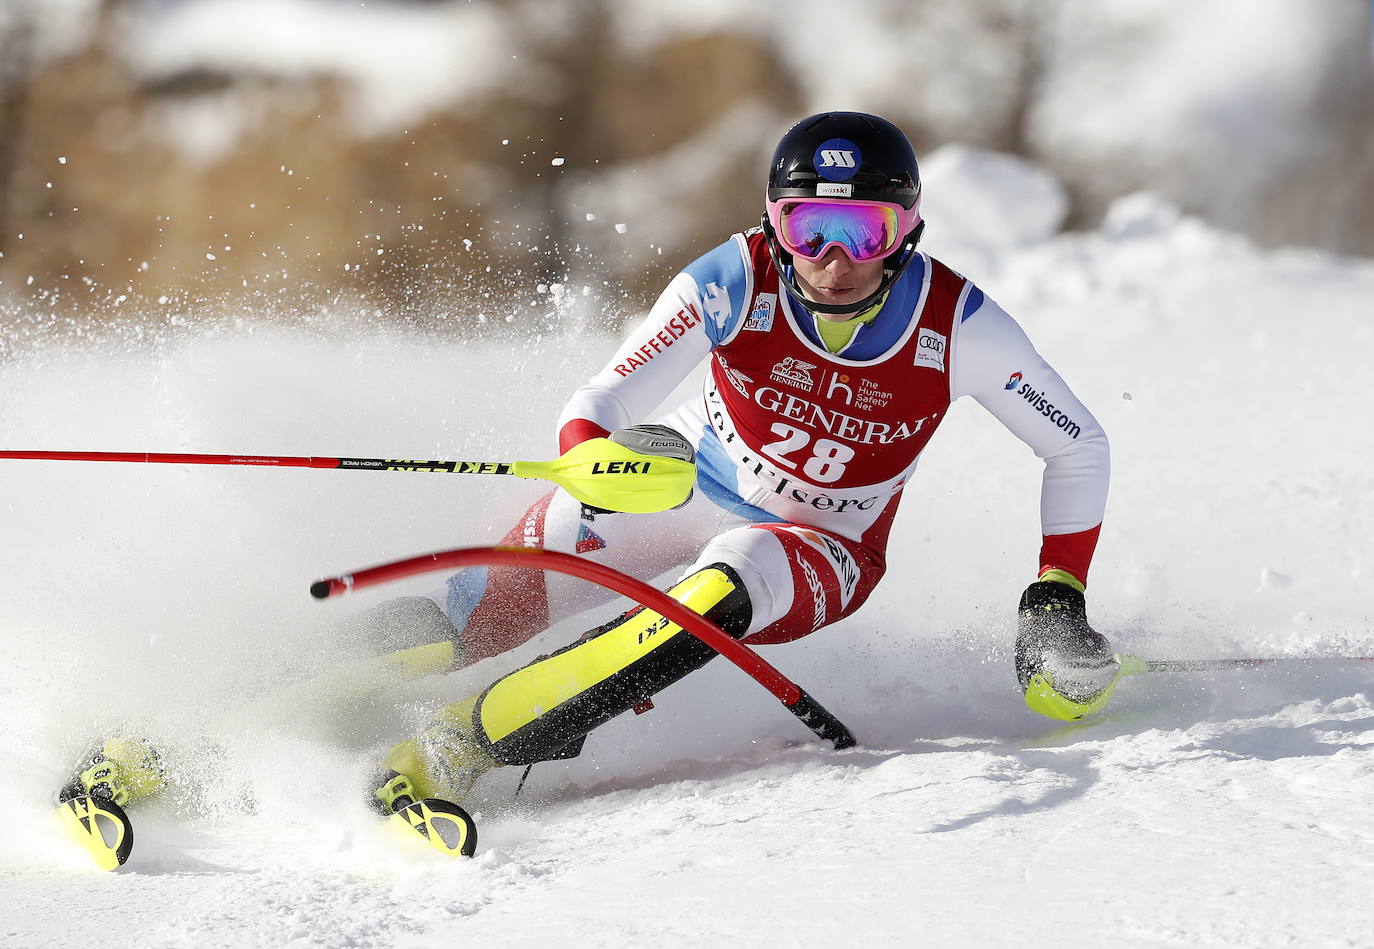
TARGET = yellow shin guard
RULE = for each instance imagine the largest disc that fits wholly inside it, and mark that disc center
(444, 760)
(544, 710)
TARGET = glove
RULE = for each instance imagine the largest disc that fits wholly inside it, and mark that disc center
(653, 439)
(1065, 667)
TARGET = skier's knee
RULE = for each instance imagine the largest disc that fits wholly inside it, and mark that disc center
(761, 565)
(543, 710)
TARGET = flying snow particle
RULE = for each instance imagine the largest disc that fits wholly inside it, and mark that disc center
(622, 227)
(493, 858)
(556, 162)
(209, 256)
(591, 216)
(1272, 579)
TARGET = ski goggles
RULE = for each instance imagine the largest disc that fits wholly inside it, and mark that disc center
(865, 230)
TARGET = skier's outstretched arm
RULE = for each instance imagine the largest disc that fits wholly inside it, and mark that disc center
(655, 357)
(1065, 668)
(995, 363)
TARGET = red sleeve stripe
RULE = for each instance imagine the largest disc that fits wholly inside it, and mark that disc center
(577, 431)
(1071, 553)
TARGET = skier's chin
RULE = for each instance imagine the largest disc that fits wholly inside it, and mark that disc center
(850, 299)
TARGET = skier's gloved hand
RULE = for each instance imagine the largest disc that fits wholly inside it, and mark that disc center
(654, 440)
(1066, 668)
(651, 440)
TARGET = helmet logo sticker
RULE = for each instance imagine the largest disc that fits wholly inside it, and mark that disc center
(837, 159)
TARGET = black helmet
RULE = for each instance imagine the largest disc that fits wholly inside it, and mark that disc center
(845, 155)
(863, 150)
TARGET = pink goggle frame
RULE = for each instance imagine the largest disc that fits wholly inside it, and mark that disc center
(865, 230)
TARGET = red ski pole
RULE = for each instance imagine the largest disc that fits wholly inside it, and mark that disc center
(184, 458)
(269, 461)
(598, 472)
(794, 698)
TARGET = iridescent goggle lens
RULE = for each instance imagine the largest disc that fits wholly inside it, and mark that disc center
(866, 231)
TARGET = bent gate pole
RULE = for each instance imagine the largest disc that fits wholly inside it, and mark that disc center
(793, 697)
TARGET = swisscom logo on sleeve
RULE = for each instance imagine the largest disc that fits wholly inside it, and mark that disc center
(930, 349)
(1043, 405)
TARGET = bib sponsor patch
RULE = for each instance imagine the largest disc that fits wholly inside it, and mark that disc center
(760, 318)
(795, 373)
(930, 349)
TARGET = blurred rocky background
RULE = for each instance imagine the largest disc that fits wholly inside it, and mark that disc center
(548, 164)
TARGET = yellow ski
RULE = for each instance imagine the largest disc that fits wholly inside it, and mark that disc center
(100, 827)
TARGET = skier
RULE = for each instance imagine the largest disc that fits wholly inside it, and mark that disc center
(835, 350)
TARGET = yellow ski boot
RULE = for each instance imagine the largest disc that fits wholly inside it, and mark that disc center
(420, 773)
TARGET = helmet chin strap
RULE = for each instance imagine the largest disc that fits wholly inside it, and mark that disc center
(782, 260)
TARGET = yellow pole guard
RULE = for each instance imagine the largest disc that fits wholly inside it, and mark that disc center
(604, 474)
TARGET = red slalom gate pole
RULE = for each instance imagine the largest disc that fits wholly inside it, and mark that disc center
(793, 697)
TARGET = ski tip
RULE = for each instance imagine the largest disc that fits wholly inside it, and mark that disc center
(100, 827)
(443, 825)
(1132, 665)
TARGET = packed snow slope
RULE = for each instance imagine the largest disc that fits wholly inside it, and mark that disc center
(1219, 809)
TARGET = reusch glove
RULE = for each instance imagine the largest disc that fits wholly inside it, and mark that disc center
(652, 439)
(1065, 667)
